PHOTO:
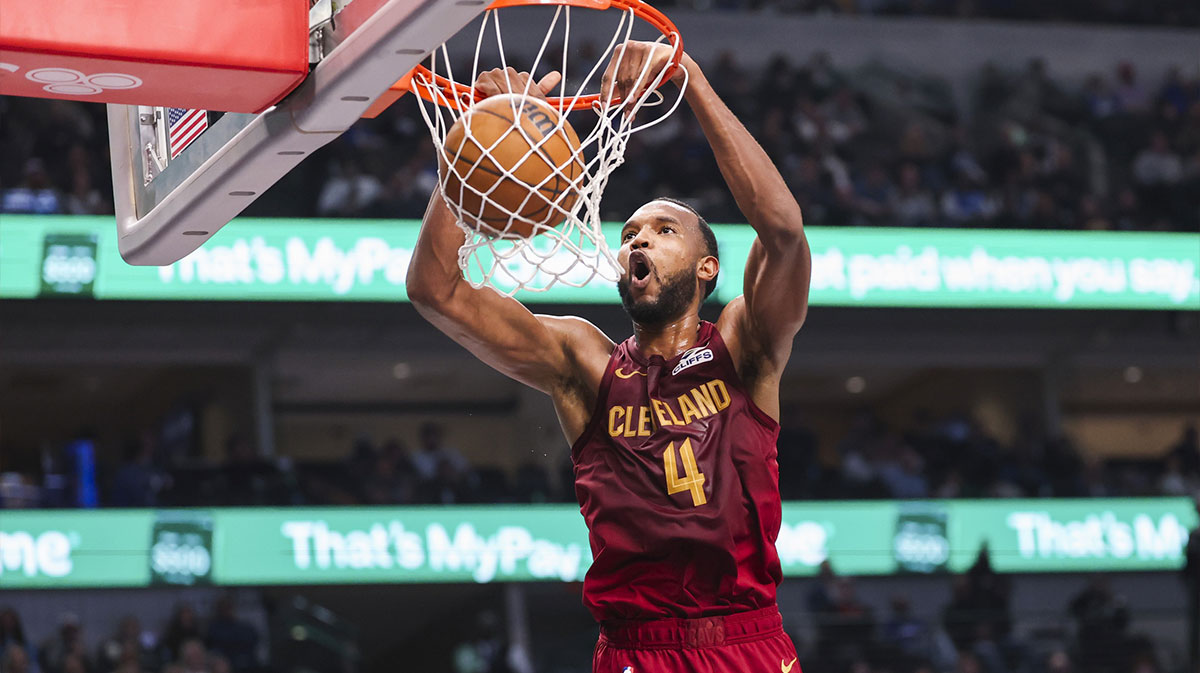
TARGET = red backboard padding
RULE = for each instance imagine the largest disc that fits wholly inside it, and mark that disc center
(226, 55)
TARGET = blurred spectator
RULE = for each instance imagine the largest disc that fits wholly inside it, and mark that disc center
(15, 659)
(349, 192)
(1157, 165)
(967, 203)
(1187, 451)
(12, 635)
(978, 619)
(915, 205)
(192, 657)
(183, 626)
(64, 651)
(874, 197)
(845, 117)
(128, 645)
(1174, 481)
(1092, 216)
(136, 482)
(1101, 102)
(896, 148)
(903, 472)
(234, 639)
(35, 194)
(219, 664)
(1102, 621)
(249, 479)
(1163, 12)
(843, 622)
(18, 491)
(84, 198)
(852, 620)
(392, 478)
(907, 635)
(434, 452)
(75, 663)
(1176, 93)
(487, 650)
(1191, 583)
(1059, 662)
(445, 476)
(1131, 96)
(821, 597)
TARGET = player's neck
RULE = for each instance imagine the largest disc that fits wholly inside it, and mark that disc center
(669, 339)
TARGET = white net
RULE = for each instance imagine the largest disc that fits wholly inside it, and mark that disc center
(566, 245)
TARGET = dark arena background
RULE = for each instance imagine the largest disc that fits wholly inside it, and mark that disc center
(261, 459)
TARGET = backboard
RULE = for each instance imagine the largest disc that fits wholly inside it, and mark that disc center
(166, 208)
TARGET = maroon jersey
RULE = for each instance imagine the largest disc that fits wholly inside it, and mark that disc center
(677, 479)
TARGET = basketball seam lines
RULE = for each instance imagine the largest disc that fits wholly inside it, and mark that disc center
(539, 150)
(538, 146)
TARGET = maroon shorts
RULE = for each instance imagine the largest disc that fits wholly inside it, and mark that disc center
(751, 642)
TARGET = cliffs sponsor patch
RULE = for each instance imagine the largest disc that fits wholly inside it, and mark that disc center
(692, 358)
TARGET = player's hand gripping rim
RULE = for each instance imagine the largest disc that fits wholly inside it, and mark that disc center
(507, 80)
(633, 69)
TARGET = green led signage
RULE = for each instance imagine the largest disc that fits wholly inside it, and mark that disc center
(367, 260)
(342, 545)
(68, 264)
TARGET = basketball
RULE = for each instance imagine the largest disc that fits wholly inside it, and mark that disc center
(526, 169)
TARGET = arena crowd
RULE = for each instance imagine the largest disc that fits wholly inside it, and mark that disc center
(868, 146)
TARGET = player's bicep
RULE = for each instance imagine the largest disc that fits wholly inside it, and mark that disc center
(504, 334)
(776, 293)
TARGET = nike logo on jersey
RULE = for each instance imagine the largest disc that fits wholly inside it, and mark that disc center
(622, 375)
(692, 358)
(786, 668)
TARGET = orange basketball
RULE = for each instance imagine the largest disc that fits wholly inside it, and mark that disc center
(542, 161)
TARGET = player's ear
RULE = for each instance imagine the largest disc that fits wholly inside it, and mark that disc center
(707, 268)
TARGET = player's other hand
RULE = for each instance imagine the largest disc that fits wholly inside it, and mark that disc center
(508, 80)
(634, 68)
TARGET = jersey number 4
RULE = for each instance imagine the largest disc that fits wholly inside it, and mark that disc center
(692, 479)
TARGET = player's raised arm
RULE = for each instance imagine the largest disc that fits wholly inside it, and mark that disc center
(778, 269)
(537, 350)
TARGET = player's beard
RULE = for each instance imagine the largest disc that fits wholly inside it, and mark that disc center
(675, 294)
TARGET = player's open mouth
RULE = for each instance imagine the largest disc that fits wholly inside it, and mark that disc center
(639, 269)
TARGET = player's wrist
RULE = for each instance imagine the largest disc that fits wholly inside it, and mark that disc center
(687, 68)
(698, 87)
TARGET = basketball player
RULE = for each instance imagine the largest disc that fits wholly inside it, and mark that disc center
(673, 431)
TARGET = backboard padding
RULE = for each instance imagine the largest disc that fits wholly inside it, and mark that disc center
(241, 156)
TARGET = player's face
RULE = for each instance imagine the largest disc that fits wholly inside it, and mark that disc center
(660, 248)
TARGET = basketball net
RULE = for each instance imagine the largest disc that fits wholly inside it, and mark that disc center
(574, 252)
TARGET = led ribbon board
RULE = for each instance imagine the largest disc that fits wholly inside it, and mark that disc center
(367, 260)
(342, 545)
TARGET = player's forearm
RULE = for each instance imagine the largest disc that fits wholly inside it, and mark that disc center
(759, 189)
(433, 273)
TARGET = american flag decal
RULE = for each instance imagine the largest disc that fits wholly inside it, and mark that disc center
(184, 126)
